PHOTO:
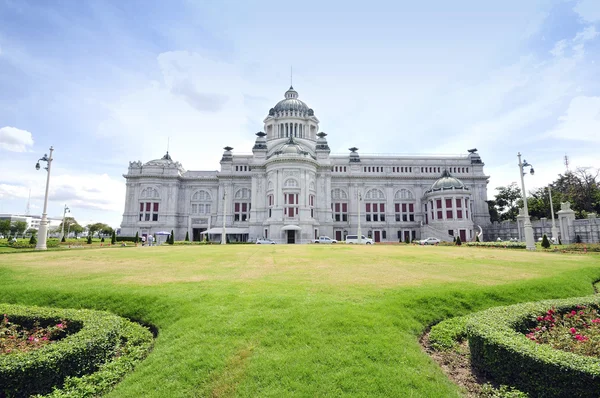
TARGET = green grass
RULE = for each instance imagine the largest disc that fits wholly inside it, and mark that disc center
(290, 320)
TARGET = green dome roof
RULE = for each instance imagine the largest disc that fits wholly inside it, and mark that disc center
(445, 182)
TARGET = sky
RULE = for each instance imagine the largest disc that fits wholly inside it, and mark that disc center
(109, 82)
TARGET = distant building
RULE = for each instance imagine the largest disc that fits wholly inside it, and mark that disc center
(33, 222)
(292, 190)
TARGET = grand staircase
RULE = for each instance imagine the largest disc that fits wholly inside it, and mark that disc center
(429, 231)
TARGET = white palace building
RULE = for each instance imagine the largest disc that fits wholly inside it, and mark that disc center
(292, 190)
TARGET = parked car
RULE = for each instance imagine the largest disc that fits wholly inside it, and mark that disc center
(352, 239)
(265, 241)
(325, 239)
(429, 241)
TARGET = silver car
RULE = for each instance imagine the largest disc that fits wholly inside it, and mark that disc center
(265, 241)
(429, 241)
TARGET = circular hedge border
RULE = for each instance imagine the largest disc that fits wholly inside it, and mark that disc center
(500, 349)
(99, 336)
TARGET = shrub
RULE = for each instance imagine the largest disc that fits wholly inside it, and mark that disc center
(446, 334)
(36, 372)
(505, 245)
(126, 239)
(102, 240)
(63, 240)
(545, 242)
(137, 237)
(500, 349)
(477, 238)
(577, 239)
(172, 238)
(89, 239)
(458, 242)
(187, 236)
(33, 240)
(406, 240)
(113, 238)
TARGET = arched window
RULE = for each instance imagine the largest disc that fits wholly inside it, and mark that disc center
(149, 204)
(339, 205)
(290, 183)
(404, 206)
(241, 205)
(375, 205)
(201, 202)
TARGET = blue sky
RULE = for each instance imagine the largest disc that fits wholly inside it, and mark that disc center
(108, 82)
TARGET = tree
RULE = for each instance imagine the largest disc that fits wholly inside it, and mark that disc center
(476, 238)
(4, 227)
(18, 228)
(172, 238)
(89, 239)
(76, 229)
(580, 187)
(506, 203)
(545, 242)
(458, 242)
(99, 228)
(113, 239)
(33, 240)
(187, 236)
(137, 237)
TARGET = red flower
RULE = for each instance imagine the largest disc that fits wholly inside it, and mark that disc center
(573, 330)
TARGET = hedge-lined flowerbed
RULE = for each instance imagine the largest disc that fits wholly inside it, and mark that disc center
(37, 372)
(500, 349)
(504, 245)
(446, 334)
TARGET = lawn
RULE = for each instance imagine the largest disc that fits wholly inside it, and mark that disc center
(290, 320)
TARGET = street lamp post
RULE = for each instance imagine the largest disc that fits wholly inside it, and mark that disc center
(554, 227)
(358, 229)
(62, 232)
(223, 235)
(528, 229)
(43, 230)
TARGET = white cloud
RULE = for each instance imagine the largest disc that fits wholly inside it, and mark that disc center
(14, 139)
(559, 48)
(581, 120)
(588, 10)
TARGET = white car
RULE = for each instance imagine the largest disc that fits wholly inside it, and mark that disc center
(325, 239)
(352, 239)
(429, 241)
(264, 241)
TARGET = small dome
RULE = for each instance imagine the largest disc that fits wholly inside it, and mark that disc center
(290, 103)
(446, 181)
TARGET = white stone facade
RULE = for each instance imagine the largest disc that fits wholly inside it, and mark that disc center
(291, 189)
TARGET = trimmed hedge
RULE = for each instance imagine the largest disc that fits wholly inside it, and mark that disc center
(38, 371)
(446, 334)
(127, 239)
(500, 349)
(135, 343)
(503, 245)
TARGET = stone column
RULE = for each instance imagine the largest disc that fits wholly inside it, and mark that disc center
(566, 217)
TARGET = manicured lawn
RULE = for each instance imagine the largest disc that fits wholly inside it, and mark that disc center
(297, 320)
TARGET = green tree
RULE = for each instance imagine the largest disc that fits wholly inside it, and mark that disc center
(171, 238)
(581, 188)
(4, 227)
(76, 229)
(89, 239)
(113, 238)
(18, 228)
(33, 240)
(507, 202)
(545, 242)
(458, 242)
(107, 230)
(137, 237)
(476, 238)
(187, 236)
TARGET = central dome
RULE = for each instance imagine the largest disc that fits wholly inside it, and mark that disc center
(446, 181)
(291, 103)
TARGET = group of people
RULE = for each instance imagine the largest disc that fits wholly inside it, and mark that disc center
(149, 240)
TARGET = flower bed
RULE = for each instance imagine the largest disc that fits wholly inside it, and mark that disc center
(15, 338)
(504, 245)
(500, 348)
(96, 339)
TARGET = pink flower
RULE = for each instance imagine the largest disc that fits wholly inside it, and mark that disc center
(597, 320)
(573, 330)
(580, 337)
(60, 326)
(573, 312)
